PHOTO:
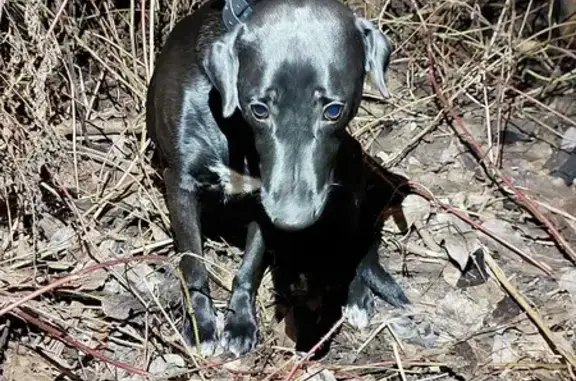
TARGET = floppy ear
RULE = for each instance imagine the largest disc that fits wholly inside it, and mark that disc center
(377, 51)
(221, 65)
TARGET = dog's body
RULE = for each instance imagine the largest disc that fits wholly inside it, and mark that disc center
(260, 111)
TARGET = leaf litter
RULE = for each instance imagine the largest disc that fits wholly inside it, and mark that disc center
(101, 203)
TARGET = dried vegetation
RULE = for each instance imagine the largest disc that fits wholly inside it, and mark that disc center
(482, 120)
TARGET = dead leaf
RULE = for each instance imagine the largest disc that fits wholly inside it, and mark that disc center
(24, 364)
(568, 142)
(502, 229)
(58, 234)
(533, 232)
(451, 275)
(119, 306)
(460, 248)
(158, 233)
(502, 351)
(457, 237)
(568, 283)
(416, 209)
(167, 365)
(94, 280)
(458, 315)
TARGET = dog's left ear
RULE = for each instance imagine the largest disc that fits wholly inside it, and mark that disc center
(221, 65)
(377, 51)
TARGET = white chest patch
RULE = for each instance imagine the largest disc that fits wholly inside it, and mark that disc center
(234, 183)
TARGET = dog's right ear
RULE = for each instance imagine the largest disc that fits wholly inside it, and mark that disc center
(377, 50)
(221, 66)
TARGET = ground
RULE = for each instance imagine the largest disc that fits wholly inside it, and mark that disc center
(481, 120)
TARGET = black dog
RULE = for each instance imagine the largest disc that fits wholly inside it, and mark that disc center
(259, 107)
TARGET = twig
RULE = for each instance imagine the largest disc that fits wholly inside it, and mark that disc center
(102, 127)
(555, 341)
(62, 336)
(315, 348)
(398, 361)
(372, 336)
(77, 276)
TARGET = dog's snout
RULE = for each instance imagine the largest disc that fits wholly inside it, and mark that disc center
(296, 176)
(294, 217)
(291, 210)
(293, 223)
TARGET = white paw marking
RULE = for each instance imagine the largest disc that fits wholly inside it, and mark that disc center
(236, 349)
(356, 316)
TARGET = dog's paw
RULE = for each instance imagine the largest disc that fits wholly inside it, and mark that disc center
(240, 334)
(207, 335)
(360, 305)
(207, 332)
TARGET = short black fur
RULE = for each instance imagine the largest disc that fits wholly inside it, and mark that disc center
(310, 203)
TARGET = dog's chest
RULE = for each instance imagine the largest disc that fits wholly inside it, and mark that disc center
(232, 182)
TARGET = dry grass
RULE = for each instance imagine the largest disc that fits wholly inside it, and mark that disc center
(82, 221)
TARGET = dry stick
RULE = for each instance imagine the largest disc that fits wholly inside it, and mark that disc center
(466, 136)
(143, 31)
(375, 333)
(190, 309)
(78, 275)
(398, 361)
(501, 81)
(315, 348)
(393, 161)
(554, 341)
(277, 370)
(56, 18)
(62, 336)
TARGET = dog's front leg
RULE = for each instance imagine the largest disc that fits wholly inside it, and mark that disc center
(183, 205)
(371, 279)
(240, 333)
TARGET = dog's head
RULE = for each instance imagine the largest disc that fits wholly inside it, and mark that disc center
(296, 71)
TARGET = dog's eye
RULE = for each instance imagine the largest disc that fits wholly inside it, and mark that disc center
(259, 110)
(333, 111)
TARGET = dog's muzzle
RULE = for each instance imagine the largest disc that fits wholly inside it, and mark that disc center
(293, 209)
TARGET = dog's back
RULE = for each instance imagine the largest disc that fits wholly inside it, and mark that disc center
(178, 69)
